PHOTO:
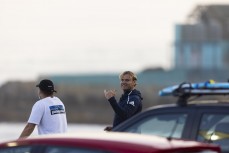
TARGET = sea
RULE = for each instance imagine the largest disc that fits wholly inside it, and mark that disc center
(11, 131)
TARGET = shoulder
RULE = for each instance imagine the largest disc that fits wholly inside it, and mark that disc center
(135, 97)
(40, 103)
(58, 100)
(136, 94)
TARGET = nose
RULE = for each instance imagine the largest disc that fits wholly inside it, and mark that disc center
(123, 81)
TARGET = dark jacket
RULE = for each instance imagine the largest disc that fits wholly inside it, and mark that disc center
(128, 105)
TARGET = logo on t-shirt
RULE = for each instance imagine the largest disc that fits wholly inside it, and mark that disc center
(57, 109)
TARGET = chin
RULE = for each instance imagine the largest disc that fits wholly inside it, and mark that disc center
(126, 89)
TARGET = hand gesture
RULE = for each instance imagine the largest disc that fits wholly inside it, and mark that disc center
(109, 93)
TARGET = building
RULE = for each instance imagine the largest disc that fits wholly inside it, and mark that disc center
(201, 54)
(203, 42)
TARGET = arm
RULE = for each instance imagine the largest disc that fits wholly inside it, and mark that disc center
(117, 109)
(34, 119)
(110, 96)
(128, 109)
(27, 130)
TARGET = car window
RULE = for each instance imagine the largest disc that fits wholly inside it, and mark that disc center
(26, 149)
(165, 125)
(214, 128)
(60, 149)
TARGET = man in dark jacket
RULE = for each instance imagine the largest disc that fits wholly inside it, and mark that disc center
(130, 102)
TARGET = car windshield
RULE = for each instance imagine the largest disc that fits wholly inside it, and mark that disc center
(166, 125)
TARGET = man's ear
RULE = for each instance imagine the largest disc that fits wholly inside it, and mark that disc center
(135, 82)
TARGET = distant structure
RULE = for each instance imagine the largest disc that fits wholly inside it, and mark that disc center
(203, 43)
(201, 53)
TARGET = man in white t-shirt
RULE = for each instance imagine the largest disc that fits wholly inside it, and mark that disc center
(48, 113)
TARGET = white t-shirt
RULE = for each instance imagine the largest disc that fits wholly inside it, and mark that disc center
(49, 115)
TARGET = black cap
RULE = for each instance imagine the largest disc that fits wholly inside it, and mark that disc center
(46, 85)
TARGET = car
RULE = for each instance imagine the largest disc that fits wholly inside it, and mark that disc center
(106, 142)
(204, 121)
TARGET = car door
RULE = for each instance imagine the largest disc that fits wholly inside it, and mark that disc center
(175, 122)
(212, 126)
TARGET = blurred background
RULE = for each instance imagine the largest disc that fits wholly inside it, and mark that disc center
(82, 46)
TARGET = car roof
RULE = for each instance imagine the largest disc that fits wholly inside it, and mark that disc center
(200, 103)
(115, 140)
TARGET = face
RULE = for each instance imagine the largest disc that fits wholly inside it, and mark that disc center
(127, 82)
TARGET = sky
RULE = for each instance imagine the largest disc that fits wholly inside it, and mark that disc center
(42, 37)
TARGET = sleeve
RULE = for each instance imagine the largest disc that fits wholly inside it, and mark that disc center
(36, 113)
(128, 109)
